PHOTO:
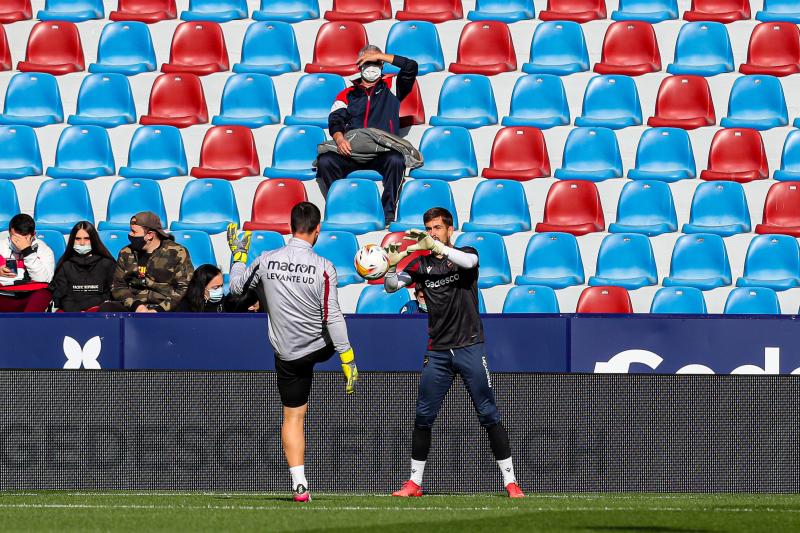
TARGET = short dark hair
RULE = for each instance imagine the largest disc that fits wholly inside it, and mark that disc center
(305, 218)
(437, 212)
(22, 224)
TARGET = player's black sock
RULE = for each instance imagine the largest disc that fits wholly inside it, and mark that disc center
(498, 440)
(421, 443)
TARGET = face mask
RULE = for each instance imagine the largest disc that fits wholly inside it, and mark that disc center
(82, 249)
(137, 243)
(371, 73)
(11, 246)
(423, 308)
(215, 295)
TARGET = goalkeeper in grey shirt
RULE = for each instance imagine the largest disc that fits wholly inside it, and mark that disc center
(306, 325)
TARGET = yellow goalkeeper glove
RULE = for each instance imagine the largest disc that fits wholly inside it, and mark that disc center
(349, 369)
(395, 255)
(239, 246)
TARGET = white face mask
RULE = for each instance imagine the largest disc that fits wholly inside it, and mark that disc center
(82, 249)
(371, 73)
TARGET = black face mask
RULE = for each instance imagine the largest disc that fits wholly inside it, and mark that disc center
(137, 243)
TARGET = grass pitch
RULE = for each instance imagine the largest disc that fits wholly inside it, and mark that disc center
(165, 511)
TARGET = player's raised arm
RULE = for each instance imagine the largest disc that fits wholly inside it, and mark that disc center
(242, 278)
(393, 281)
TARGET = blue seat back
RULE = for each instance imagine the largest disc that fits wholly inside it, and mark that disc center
(84, 147)
(531, 299)
(374, 300)
(338, 247)
(417, 196)
(249, 95)
(353, 200)
(648, 6)
(591, 149)
(626, 255)
(539, 95)
(789, 7)
(270, 43)
(448, 148)
(752, 301)
(772, 257)
(719, 203)
(757, 96)
(611, 96)
(315, 94)
(500, 202)
(63, 9)
(104, 95)
(703, 43)
(700, 256)
(216, 6)
(54, 240)
(126, 43)
(790, 155)
(296, 147)
(505, 6)
(114, 240)
(665, 150)
(418, 40)
(208, 200)
(9, 203)
(679, 301)
(263, 241)
(19, 147)
(558, 43)
(157, 147)
(467, 96)
(492, 253)
(33, 94)
(60, 200)
(308, 8)
(132, 196)
(553, 254)
(198, 244)
(648, 202)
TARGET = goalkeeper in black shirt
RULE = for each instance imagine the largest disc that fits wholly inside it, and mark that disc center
(449, 280)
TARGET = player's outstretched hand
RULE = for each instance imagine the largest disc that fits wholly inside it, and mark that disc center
(424, 242)
(239, 246)
(395, 254)
(349, 369)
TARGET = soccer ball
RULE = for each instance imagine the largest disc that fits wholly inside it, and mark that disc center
(371, 262)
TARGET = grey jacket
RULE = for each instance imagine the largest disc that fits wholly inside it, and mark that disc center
(367, 143)
(299, 288)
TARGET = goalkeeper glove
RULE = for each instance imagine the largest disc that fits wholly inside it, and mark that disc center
(239, 246)
(424, 242)
(350, 370)
(394, 253)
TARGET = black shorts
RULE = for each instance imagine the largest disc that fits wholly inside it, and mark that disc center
(294, 377)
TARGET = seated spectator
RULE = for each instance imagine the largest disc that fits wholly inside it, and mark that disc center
(85, 272)
(416, 306)
(372, 102)
(25, 262)
(205, 295)
(152, 272)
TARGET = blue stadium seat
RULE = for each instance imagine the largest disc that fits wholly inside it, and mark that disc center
(115, 240)
(9, 203)
(207, 205)
(54, 240)
(269, 48)
(466, 100)
(263, 241)
(719, 207)
(374, 300)
(780, 11)
(499, 206)
(664, 154)
(679, 301)
(418, 40)
(294, 152)
(416, 197)
(105, 100)
(248, 100)
(83, 152)
(558, 47)
(790, 158)
(702, 49)
(449, 154)
(752, 301)
(287, 10)
(645, 207)
(590, 154)
(340, 247)
(611, 101)
(32, 99)
(492, 256)
(699, 261)
(199, 246)
(652, 11)
(216, 10)
(19, 152)
(353, 205)
(531, 299)
(129, 197)
(72, 10)
(156, 152)
(62, 203)
(538, 100)
(313, 98)
(125, 48)
(772, 261)
(625, 260)
(502, 10)
(756, 102)
(553, 260)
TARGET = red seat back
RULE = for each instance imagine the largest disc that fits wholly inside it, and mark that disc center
(228, 152)
(574, 10)
(360, 10)
(782, 209)
(273, 203)
(724, 11)
(336, 47)
(684, 102)
(573, 206)
(5, 51)
(629, 47)
(412, 110)
(198, 48)
(613, 300)
(431, 10)
(14, 11)
(518, 153)
(736, 154)
(773, 45)
(177, 100)
(485, 47)
(54, 47)
(147, 11)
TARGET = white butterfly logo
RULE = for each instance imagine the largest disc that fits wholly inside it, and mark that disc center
(85, 357)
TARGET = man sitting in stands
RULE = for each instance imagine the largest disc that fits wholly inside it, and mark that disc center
(25, 260)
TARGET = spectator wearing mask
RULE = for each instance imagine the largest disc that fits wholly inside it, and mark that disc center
(372, 102)
(206, 295)
(24, 260)
(84, 273)
(416, 306)
(152, 272)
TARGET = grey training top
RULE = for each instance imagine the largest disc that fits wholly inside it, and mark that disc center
(299, 288)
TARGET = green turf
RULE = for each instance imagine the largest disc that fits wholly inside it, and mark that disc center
(163, 511)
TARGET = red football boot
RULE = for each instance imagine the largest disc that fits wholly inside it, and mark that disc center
(514, 491)
(409, 490)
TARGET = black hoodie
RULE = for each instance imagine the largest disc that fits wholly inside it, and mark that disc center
(83, 281)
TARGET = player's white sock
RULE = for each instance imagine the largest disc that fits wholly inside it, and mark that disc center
(298, 476)
(417, 469)
(507, 469)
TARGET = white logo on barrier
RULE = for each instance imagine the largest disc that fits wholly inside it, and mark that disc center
(85, 357)
(620, 364)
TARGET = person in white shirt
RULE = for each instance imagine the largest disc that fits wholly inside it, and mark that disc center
(25, 261)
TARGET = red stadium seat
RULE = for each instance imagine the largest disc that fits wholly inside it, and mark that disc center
(412, 110)
(630, 47)
(394, 237)
(575, 10)
(147, 11)
(610, 300)
(435, 11)
(54, 47)
(518, 153)
(177, 100)
(337, 46)
(724, 11)
(485, 47)
(736, 154)
(228, 152)
(683, 102)
(360, 10)
(572, 206)
(197, 48)
(782, 210)
(15, 10)
(5, 51)
(774, 49)
(273, 203)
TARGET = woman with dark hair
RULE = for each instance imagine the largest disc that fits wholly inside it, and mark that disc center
(205, 295)
(83, 276)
